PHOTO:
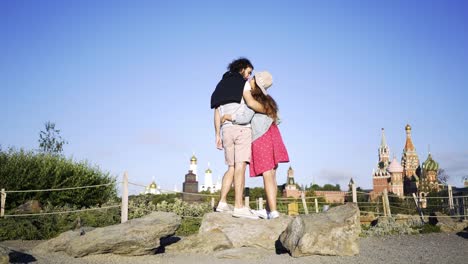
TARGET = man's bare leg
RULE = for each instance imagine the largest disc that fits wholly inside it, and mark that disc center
(239, 183)
(228, 178)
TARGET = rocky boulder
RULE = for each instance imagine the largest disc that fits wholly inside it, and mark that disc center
(4, 255)
(335, 232)
(446, 223)
(139, 236)
(221, 231)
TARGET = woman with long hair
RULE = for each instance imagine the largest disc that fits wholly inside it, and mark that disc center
(268, 149)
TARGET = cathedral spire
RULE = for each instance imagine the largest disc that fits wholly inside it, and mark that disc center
(409, 143)
(383, 142)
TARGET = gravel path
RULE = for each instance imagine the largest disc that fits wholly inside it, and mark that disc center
(428, 248)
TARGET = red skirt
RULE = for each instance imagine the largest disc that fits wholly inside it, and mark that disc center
(267, 151)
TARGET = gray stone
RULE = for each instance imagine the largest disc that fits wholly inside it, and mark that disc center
(139, 236)
(204, 243)
(335, 232)
(4, 255)
(244, 253)
(243, 232)
(448, 224)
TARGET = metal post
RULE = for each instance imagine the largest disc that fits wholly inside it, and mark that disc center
(124, 207)
(353, 186)
(260, 203)
(2, 203)
(247, 201)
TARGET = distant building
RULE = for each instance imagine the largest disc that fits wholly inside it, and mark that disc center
(407, 177)
(190, 185)
(429, 181)
(290, 190)
(152, 188)
(208, 185)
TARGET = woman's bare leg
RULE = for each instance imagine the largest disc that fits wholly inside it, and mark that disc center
(271, 188)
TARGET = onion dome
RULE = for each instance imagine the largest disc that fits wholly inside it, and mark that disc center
(394, 166)
(208, 171)
(193, 158)
(407, 127)
(430, 164)
(153, 185)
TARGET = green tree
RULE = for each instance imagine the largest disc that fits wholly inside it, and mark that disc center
(50, 140)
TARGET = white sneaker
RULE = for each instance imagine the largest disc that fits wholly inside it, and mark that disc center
(224, 208)
(244, 212)
(273, 215)
(261, 213)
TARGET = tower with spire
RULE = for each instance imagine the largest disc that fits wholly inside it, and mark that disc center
(429, 181)
(290, 189)
(380, 175)
(193, 165)
(410, 164)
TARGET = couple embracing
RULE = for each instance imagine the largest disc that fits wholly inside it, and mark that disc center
(245, 120)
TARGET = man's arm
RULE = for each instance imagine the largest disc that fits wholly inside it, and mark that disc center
(252, 103)
(217, 125)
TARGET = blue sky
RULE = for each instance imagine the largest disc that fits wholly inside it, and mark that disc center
(129, 82)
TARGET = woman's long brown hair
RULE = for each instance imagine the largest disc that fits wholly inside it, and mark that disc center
(267, 101)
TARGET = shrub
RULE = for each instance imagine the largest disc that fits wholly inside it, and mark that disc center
(28, 170)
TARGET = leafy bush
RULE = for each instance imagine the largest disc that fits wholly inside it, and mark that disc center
(388, 226)
(28, 170)
(428, 228)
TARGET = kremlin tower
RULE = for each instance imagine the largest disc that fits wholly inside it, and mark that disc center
(380, 176)
(410, 163)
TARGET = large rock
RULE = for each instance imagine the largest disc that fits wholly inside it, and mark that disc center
(204, 243)
(335, 232)
(4, 255)
(243, 232)
(446, 223)
(220, 232)
(139, 236)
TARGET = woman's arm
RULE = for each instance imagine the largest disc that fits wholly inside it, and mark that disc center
(244, 117)
(252, 103)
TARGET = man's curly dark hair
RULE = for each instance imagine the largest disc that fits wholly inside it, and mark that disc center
(239, 64)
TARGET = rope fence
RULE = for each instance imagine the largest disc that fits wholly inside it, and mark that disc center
(377, 205)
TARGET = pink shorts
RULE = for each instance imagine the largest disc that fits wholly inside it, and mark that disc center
(237, 141)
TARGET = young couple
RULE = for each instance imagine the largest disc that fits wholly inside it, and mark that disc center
(245, 119)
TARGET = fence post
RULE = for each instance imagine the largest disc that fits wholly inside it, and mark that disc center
(2, 203)
(384, 205)
(124, 207)
(418, 207)
(354, 193)
(387, 203)
(260, 203)
(450, 193)
(304, 204)
(247, 201)
(316, 205)
(212, 202)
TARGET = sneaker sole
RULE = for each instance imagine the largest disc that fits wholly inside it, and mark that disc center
(246, 216)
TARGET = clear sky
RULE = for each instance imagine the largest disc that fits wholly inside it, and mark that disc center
(129, 82)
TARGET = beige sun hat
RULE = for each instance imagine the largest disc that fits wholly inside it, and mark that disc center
(264, 80)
